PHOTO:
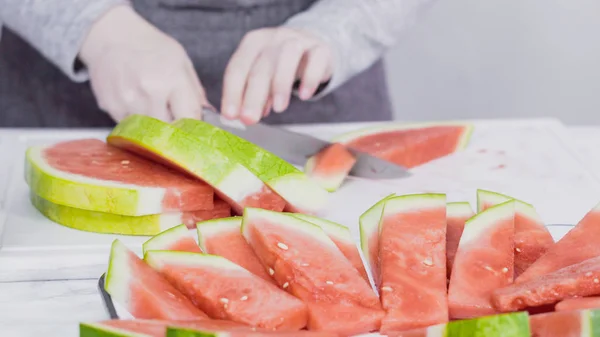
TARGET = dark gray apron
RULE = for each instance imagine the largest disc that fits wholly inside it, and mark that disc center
(33, 93)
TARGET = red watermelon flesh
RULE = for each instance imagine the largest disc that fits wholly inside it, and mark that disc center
(221, 210)
(227, 291)
(578, 303)
(330, 166)
(223, 237)
(412, 253)
(308, 264)
(556, 324)
(581, 279)
(579, 244)
(457, 213)
(177, 239)
(484, 262)
(143, 292)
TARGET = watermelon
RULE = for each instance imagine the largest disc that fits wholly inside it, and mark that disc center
(307, 263)
(457, 214)
(330, 166)
(176, 238)
(581, 279)
(341, 236)
(223, 237)
(152, 328)
(579, 323)
(89, 174)
(300, 193)
(142, 291)
(579, 244)
(412, 253)
(225, 290)
(99, 222)
(170, 145)
(187, 332)
(578, 303)
(483, 262)
(532, 238)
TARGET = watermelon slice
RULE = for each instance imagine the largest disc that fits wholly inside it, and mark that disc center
(578, 303)
(308, 264)
(301, 194)
(579, 244)
(142, 291)
(341, 236)
(152, 328)
(412, 253)
(225, 290)
(223, 237)
(176, 239)
(581, 323)
(99, 222)
(532, 238)
(457, 214)
(169, 145)
(89, 174)
(330, 166)
(581, 279)
(483, 262)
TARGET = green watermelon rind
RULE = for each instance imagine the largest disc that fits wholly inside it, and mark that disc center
(332, 229)
(186, 332)
(158, 258)
(370, 221)
(165, 238)
(118, 275)
(410, 202)
(459, 209)
(481, 222)
(100, 330)
(494, 198)
(502, 325)
(205, 229)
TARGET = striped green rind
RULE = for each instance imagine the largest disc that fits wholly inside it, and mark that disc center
(99, 330)
(504, 325)
(183, 332)
(206, 228)
(165, 238)
(368, 223)
(332, 229)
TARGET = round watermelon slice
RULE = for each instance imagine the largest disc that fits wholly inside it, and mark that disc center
(89, 174)
(330, 166)
(177, 239)
(578, 303)
(457, 214)
(172, 146)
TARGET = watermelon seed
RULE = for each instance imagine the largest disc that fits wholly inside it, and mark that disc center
(285, 285)
(329, 282)
(428, 262)
(505, 270)
(271, 271)
(305, 264)
(489, 269)
(386, 288)
(596, 280)
(518, 250)
(124, 162)
(224, 300)
(244, 298)
(282, 246)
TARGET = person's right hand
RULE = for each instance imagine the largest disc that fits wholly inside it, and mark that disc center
(136, 69)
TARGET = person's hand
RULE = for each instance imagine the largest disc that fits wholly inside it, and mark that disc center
(262, 71)
(136, 69)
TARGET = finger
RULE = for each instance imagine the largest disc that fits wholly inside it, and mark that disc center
(157, 107)
(185, 101)
(268, 107)
(258, 87)
(285, 74)
(316, 70)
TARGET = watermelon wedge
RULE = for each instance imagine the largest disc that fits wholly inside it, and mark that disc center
(142, 291)
(330, 166)
(581, 323)
(484, 262)
(457, 214)
(227, 291)
(176, 239)
(223, 237)
(170, 145)
(152, 328)
(308, 264)
(412, 253)
(532, 238)
(579, 244)
(89, 174)
(301, 194)
(578, 303)
(341, 236)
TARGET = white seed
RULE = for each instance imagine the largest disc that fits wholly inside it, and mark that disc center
(428, 262)
(305, 264)
(329, 282)
(224, 300)
(282, 245)
(488, 268)
(285, 285)
(244, 298)
(518, 250)
(505, 270)
(271, 271)
(596, 280)
(124, 162)
(386, 288)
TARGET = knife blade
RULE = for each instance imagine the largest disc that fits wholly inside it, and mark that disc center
(296, 148)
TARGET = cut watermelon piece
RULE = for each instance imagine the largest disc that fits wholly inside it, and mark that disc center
(223, 237)
(225, 290)
(99, 222)
(177, 239)
(581, 323)
(484, 262)
(89, 174)
(153, 328)
(301, 194)
(341, 236)
(330, 166)
(221, 210)
(409, 145)
(532, 238)
(165, 143)
(457, 214)
(581, 279)
(142, 291)
(308, 264)
(578, 303)
(412, 253)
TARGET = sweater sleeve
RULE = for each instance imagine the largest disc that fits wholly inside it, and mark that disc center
(56, 28)
(359, 31)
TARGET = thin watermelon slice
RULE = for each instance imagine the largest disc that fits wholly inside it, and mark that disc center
(171, 146)
(341, 236)
(223, 237)
(579, 323)
(301, 194)
(142, 291)
(532, 238)
(457, 214)
(581, 279)
(330, 167)
(484, 262)
(578, 303)
(579, 244)
(177, 239)
(308, 264)
(227, 291)
(412, 253)
(89, 174)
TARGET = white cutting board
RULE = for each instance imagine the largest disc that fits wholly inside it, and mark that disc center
(528, 159)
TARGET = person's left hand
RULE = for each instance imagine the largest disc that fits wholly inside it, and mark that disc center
(262, 71)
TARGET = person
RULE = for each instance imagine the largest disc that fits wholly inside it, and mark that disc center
(315, 60)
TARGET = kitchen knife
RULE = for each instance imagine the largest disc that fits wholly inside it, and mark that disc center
(296, 148)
